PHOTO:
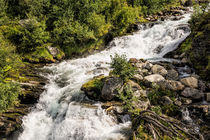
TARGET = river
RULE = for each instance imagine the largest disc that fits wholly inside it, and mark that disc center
(60, 113)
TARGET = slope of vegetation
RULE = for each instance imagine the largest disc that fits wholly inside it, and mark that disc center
(196, 45)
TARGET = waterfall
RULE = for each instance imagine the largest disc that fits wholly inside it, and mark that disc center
(60, 113)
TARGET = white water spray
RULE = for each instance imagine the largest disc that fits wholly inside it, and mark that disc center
(60, 113)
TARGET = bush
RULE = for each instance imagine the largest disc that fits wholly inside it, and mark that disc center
(9, 94)
(28, 35)
(122, 67)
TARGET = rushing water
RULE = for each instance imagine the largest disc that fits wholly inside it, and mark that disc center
(61, 114)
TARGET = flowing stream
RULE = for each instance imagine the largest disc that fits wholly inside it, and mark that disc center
(61, 113)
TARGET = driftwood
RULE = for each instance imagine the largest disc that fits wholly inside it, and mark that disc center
(161, 125)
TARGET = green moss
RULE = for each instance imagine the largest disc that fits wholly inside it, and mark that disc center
(39, 55)
(186, 45)
(94, 86)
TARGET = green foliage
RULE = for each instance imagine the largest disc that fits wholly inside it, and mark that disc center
(28, 35)
(9, 64)
(155, 97)
(127, 98)
(122, 67)
(9, 94)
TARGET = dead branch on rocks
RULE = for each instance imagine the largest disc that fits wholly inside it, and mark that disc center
(161, 125)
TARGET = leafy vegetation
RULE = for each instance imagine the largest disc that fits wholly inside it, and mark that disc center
(71, 25)
(198, 52)
(122, 67)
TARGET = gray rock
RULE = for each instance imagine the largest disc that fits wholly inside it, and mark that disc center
(154, 78)
(165, 100)
(147, 65)
(190, 81)
(192, 93)
(171, 85)
(157, 69)
(138, 77)
(134, 86)
(111, 85)
(172, 75)
(53, 50)
(186, 101)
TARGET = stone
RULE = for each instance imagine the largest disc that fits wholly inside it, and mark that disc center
(186, 101)
(165, 100)
(53, 50)
(133, 60)
(208, 97)
(111, 85)
(147, 65)
(134, 86)
(188, 3)
(184, 60)
(138, 77)
(157, 69)
(145, 71)
(192, 93)
(177, 102)
(171, 85)
(172, 75)
(190, 81)
(154, 78)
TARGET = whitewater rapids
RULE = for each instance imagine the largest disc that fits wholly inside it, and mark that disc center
(60, 113)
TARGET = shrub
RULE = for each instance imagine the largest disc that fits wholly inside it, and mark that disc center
(122, 67)
(28, 35)
(9, 94)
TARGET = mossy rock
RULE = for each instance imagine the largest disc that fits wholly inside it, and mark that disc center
(40, 55)
(93, 87)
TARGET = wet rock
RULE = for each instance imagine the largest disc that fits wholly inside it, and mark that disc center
(157, 69)
(192, 93)
(147, 65)
(171, 85)
(153, 78)
(190, 81)
(158, 49)
(111, 85)
(188, 3)
(172, 75)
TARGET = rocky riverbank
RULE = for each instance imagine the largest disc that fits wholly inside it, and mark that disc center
(32, 85)
(161, 88)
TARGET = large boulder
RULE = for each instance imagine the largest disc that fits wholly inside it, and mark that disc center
(157, 69)
(192, 93)
(110, 88)
(190, 81)
(171, 85)
(154, 78)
